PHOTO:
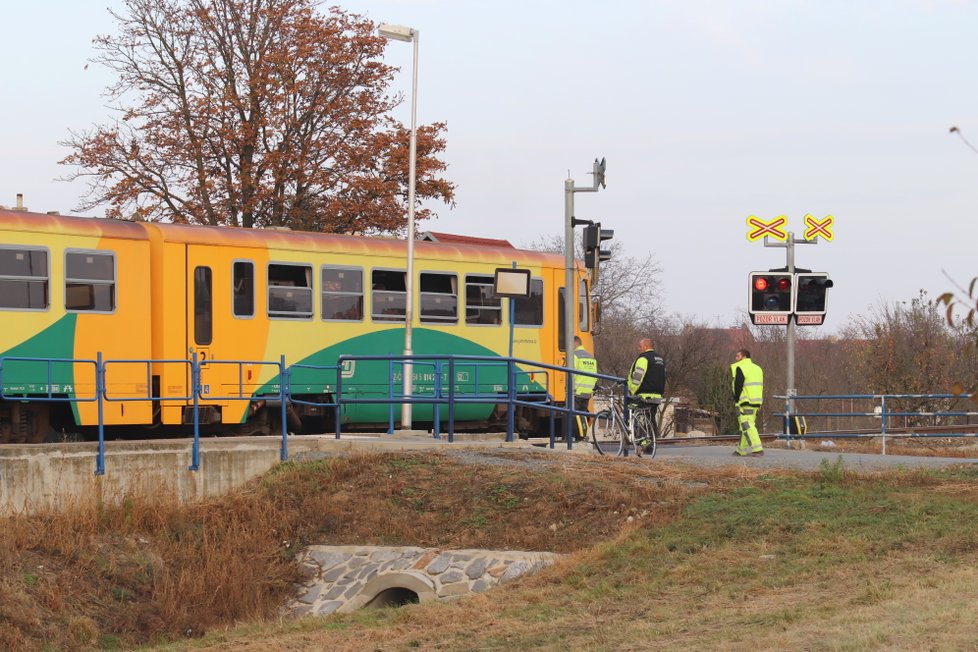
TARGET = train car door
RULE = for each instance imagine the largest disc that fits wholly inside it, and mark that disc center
(555, 303)
(582, 324)
(202, 325)
(561, 308)
(223, 327)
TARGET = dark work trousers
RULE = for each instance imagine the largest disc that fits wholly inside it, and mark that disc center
(581, 420)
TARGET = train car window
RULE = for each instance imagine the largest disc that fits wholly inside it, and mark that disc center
(89, 281)
(342, 298)
(439, 298)
(482, 307)
(24, 279)
(289, 291)
(387, 295)
(203, 306)
(529, 310)
(243, 288)
(583, 318)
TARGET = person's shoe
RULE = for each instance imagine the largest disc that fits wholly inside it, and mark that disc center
(739, 453)
(757, 454)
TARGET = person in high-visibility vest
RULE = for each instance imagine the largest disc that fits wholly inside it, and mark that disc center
(748, 395)
(647, 381)
(583, 386)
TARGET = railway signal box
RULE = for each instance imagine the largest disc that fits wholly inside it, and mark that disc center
(774, 296)
(594, 235)
(811, 294)
(770, 297)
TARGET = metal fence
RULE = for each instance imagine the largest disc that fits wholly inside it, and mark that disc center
(879, 415)
(535, 377)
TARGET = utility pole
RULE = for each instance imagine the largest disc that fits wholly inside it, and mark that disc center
(789, 246)
(570, 306)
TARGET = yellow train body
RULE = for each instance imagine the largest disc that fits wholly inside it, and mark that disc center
(78, 288)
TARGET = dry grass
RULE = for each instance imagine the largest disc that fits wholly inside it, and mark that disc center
(897, 445)
(658, 557)
(104, 576)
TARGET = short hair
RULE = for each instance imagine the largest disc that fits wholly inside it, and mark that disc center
(744, 352)
(646, 343)
(578, 340)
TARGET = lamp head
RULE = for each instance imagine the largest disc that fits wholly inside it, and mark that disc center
(396, 32)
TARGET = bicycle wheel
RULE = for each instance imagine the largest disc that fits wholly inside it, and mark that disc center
(608, 433)
(645, 432)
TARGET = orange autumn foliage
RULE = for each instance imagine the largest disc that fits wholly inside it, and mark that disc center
(265, 113)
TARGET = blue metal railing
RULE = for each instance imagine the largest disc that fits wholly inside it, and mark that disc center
(283, 375)
(880, 412)
(516, 373)
(100, 396)
(103, 396)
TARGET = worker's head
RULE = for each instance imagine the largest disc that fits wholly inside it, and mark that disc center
(645, 344)
(741, 354)
(578, 341)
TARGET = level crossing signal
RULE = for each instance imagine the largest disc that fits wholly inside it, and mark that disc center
(811, 293)
(594, 235)
(774, 296)
(771, 297)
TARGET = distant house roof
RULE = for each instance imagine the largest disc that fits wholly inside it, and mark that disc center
(451, 238)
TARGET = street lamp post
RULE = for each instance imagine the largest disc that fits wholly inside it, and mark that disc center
(401, 33)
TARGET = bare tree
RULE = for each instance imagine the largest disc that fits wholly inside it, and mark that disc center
(252, 113)
(626, 284)
(967, 299)
(628, 292)
(907, 348)
(697, 366)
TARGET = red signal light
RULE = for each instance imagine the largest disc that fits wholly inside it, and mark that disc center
(784, 284)
(760, 284)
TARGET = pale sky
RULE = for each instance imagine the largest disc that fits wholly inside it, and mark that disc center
(706, 112)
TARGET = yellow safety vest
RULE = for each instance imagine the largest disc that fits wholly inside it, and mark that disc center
(753, 390)
(584, 361)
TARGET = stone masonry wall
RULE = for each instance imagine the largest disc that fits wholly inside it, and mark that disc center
(346, 578)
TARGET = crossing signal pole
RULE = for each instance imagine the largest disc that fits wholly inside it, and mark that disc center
(570, 306)
(789, 246)
(788, 296)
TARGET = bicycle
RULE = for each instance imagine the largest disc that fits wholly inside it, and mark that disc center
(612, 434)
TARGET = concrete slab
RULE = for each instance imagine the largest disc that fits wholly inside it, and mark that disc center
(35, 477)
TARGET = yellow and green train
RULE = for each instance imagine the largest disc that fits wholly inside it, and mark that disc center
(146, 297)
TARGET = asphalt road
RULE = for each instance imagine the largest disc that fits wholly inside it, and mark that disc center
(802, 459)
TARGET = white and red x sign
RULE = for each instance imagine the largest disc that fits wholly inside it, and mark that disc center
(772, 228)
(818, 228)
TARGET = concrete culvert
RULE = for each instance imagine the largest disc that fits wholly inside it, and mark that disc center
(341, 579)
(393, 597)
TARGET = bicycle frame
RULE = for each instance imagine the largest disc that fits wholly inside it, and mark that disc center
(626, 430)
